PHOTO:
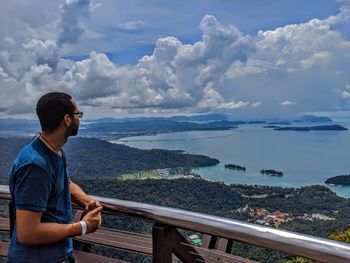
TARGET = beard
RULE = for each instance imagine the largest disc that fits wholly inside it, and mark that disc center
(72, 130)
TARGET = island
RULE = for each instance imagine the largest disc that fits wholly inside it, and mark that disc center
(272, 126)
(313, 128)
(111, 129)
(256, 122)
(271, 172)
(311, 118)
(234, 167)
(279, 123)
(339, 180)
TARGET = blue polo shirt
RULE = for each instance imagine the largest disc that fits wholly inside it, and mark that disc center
(39, 182)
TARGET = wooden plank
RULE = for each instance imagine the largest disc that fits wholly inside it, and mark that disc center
(4, 247)
(225, 245)
(206, 241)
(213, 256)
(119, 239)
(4, 224)
(209, 241)
(92, 258)
(107, 237)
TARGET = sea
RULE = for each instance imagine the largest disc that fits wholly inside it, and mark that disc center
(305, 158)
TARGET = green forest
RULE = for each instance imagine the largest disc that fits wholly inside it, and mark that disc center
(223, 200)
(94, 158)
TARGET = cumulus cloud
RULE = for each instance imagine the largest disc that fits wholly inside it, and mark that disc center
(251, 67)
(43, 52)
(71, 13)
(224, 71)
(212, 99)
(319, 58)
(300, 46)
(307, 61)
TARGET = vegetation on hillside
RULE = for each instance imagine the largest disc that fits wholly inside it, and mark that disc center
(223, 200)
(93, 158)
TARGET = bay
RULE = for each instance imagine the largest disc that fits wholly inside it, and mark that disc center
(305, 158)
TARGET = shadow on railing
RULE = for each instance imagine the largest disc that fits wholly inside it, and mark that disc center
(166, 241)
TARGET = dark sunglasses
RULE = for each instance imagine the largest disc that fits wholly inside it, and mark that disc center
(79, 113)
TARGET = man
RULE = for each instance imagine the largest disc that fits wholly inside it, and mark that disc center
(42, 191)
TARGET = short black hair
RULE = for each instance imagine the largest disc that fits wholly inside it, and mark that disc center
(51, 109)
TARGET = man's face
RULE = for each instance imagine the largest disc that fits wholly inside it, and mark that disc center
(74, 126)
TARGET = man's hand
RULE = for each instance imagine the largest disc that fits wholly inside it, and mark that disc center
(91, 205)
(93, 219)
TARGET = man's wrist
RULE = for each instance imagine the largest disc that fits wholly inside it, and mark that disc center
(83, 227)
(75, 229)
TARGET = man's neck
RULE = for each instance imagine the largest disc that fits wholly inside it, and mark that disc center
(54, 141)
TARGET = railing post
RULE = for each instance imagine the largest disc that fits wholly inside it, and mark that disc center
(162, 251)
(168, 241)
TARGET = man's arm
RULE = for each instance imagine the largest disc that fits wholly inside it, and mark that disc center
(81, 198)
(32, 191)
(30, 229)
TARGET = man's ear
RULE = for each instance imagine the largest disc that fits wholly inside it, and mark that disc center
(67, 120)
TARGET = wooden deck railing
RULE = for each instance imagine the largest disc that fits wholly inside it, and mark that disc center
(166, 242)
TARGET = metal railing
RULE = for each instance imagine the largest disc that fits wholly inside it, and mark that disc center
(316, 248)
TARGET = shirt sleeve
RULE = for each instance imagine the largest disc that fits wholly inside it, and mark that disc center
(32, 188)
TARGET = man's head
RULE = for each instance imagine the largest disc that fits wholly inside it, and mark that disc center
(58, 110)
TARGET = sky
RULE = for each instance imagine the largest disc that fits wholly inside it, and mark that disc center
(117, 58)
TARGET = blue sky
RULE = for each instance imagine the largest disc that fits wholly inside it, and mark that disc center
(181, 19)
(248, 58)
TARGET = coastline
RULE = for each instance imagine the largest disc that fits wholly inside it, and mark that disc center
(239, 145)
(277, 150)
(340, 190)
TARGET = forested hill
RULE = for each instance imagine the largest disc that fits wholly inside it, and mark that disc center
(92, 157)
(192, 194)
(157, 126)
(220, 199)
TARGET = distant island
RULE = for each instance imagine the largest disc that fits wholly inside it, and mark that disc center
(131, 126)
(339, 180)
(271, 172)
(271, 126)
(279, 123)
(234, 167)
(313, 128)
(256, 122)
(156, 126)
(311, 118)
(191, 118)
